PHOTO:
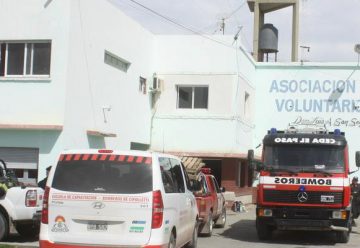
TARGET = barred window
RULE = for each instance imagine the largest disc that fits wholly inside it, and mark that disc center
(115, 61)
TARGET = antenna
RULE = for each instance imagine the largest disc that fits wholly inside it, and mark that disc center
(357, 50)
(222, 25)
(237, 34)
(307, 48)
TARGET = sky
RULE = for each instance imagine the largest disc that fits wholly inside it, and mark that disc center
(331, 28)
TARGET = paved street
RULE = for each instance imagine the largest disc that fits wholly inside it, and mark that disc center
(240, 232)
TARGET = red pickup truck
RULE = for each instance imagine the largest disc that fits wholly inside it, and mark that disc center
(210, 202)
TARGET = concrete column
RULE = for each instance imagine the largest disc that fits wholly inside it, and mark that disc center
(260, 7)
(295, 33)
(256, 31)
(261, 24)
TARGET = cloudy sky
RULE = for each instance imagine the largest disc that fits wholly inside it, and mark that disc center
(331, 28)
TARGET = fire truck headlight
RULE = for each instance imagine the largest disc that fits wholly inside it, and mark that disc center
(265, 212)
(339, 215)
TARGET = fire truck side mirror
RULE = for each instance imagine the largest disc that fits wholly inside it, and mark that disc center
(357, 158)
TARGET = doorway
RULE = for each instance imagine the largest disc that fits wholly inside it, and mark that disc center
(215, 166)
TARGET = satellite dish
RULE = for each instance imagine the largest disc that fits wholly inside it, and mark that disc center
(357, 48)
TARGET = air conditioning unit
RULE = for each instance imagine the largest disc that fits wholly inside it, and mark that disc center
(157, 84)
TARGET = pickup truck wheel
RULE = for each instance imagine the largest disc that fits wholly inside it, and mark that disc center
(27, 230)
(209, 225)
(4, 230)
(342, 237)
(221, 221)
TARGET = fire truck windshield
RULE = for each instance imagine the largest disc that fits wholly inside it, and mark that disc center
(305, 158)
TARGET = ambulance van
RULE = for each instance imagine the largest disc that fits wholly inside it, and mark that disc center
(108, 198)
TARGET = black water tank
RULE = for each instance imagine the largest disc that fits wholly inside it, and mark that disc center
(268, 40)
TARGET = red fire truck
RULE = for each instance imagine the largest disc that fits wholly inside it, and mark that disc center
(303, 183)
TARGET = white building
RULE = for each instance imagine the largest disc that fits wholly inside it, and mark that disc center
(205, 107)
(70, 78)
(79, 74)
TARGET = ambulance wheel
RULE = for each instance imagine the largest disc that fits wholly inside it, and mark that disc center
(172, 241)
(264, 231)
(193, 242)
(342, 237)
(4, 230)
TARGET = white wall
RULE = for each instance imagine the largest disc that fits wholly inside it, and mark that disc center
(194, 60)
(97, 26)
(35, 101)
(80, 83)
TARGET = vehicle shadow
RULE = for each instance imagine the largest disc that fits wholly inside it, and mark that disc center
(16, 239)
(244, 230)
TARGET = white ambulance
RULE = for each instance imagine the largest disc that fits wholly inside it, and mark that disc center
(106, 198)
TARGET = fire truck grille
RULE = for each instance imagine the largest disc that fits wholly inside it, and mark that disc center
(312, 197)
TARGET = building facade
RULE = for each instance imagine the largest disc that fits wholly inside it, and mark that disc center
(309, 94)
(81, 74)
(204, 108)
(67, 82)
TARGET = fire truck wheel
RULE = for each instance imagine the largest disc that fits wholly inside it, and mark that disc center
(342, 237)
(264, 231)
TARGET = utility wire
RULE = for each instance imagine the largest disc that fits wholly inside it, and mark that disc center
(179, 24)
(91, 91)
(236, 10)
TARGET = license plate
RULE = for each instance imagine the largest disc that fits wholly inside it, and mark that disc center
(102, 227)
(327, 198)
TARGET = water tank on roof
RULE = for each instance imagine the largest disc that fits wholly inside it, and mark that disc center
(268, 39)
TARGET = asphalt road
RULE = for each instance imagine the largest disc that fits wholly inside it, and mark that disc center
(240, 232)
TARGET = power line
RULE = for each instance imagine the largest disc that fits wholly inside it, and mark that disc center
(236, 10)
(179, 24)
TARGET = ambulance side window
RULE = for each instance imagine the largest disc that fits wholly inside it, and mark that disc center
(178, 176)
(187, 179)
(166, 175)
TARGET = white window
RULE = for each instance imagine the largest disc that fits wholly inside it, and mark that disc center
(115, 61)
(25, 58)
(142, 85)
(192, 97)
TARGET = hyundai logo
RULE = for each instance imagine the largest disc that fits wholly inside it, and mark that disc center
(302, 196)
(98, 205)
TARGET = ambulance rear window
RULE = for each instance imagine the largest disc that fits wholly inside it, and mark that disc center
(132, 175)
